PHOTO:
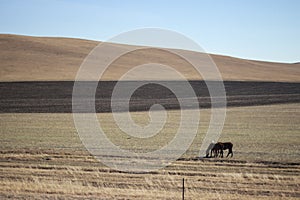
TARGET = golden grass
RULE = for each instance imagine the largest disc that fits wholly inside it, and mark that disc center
(255, 131)
(42, 157)
(203, 180)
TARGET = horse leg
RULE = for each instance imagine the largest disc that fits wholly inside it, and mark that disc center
(216, 153)
(230, 152)
(221, 151)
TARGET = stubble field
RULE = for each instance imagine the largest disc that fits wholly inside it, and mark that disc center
(42, 157)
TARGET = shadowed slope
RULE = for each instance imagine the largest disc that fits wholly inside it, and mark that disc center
(56, 97)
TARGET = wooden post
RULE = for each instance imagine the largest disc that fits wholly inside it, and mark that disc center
(182, 188)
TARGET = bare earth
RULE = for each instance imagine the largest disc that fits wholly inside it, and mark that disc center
(42, 157)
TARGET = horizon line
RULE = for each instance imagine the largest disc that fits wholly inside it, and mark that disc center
(97, 40)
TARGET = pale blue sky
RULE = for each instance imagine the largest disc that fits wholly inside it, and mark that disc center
(253, 29)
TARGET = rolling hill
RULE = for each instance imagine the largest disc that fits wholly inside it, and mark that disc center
(37, 75)
(26, 58)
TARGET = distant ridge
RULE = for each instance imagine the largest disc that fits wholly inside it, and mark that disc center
(26, 58)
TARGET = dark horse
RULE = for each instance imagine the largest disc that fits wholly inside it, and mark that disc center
(225, 146)
(217, 148)
(220, 147)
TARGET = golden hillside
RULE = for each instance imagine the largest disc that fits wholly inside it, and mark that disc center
(26, 58)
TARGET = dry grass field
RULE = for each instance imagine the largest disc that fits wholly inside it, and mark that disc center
(42, 157)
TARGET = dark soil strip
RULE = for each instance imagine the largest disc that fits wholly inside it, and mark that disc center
(56, 96)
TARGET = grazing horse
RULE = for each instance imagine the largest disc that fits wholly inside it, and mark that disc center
(218, 148)
(227, 145)
(209, 148)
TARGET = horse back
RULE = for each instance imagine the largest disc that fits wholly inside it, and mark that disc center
(227, 145)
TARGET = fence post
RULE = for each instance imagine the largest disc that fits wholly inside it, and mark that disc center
(182, 188)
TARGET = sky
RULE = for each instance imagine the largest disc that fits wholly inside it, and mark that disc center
(252, 29)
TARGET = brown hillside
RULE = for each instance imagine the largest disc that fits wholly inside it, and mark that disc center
(25, 58)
